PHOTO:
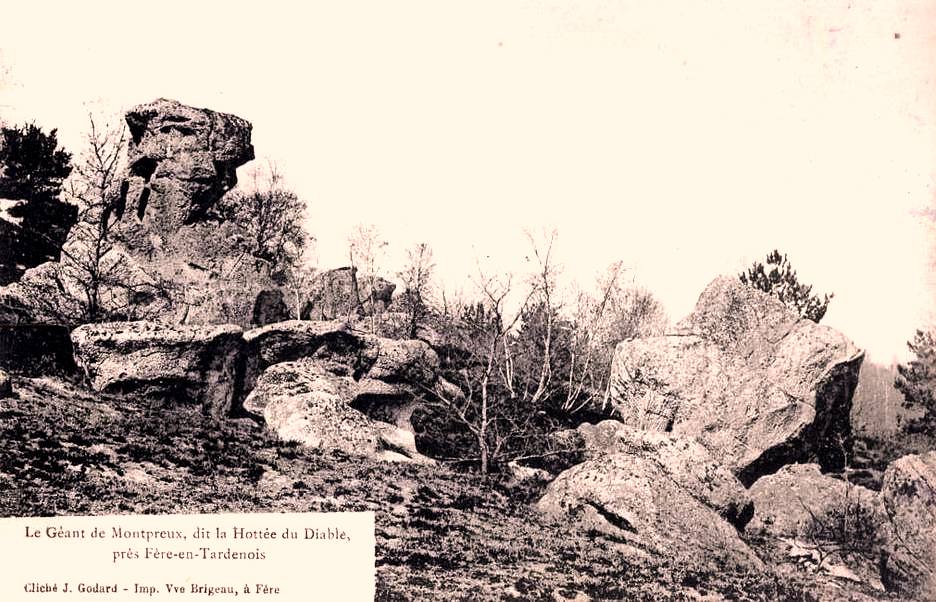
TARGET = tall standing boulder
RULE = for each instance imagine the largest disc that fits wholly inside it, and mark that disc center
(909, 499)
(181, 160)
(754, 383)
(187, 364)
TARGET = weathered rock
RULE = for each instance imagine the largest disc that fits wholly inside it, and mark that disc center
(302, 401)
(909, 499)
(194, 364)
(6, 385)
(270, 308)
(759, 387)
(787, 502)
(181, 160)
(338, 295)
(633, 500)
(343, 351)
(683, 459)
(36, 350)
(527, 475)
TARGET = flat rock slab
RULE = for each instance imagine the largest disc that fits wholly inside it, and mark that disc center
(191, 364)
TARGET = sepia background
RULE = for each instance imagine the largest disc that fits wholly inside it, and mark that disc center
(683, 139)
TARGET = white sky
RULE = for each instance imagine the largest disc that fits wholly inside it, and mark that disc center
(685, 138)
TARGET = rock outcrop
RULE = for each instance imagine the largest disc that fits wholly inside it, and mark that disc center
(756, 385)
(187, 364)
(788, 501)
(318, 380)
(181, 160)
(684, 461)
(636, 502)
(338, 295)
(909, 499)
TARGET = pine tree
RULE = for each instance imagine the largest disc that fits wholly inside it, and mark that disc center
(917, 381)
(33, 169)
(778, 278)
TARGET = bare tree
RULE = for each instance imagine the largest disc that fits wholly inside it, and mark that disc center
(92, 282)
(271, 217)
(366, 249)
(417, 280)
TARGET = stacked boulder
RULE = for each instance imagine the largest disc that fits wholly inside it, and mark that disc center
(757, 385)
(742, 388)
(320, 383)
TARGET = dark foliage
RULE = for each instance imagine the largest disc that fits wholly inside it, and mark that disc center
(33, 169)
(917, 381)
(778, 278)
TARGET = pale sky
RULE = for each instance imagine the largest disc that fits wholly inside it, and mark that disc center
(685, 138)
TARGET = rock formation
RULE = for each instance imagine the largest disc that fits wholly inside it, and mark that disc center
(909, 499)
(319, 380)
(785, 503)
(686, 462)
(759, 387)
(337, 295)
(181, 160)
(187, 364)
(635, 501)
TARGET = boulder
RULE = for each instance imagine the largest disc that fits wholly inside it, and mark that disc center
(342, 350)
(682, 459)
(331, 343)
(181, 160)
(908, 495)
(6, 385)
(187, 364)
(755, 384)
(270, 307)
(338, 295)
(36, 350)
(787, 502)
(634, 502)
(315, 373)
(302, 401)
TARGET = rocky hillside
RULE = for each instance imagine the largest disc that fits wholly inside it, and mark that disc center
(726, 470)
(440, 534)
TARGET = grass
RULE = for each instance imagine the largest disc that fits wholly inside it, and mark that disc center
(440, 534)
